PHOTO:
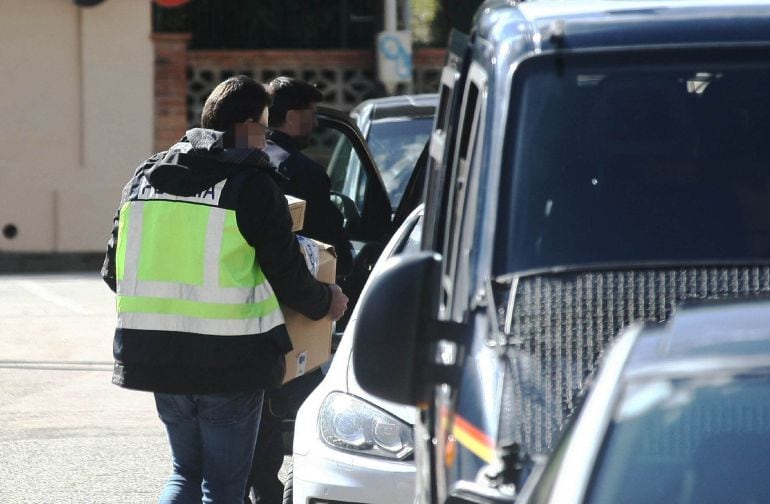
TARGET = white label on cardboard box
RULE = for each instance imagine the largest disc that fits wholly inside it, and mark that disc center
(311, 251)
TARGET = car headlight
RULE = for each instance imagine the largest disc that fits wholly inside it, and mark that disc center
(348, 423)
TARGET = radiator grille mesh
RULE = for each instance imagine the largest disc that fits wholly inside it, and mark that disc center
(563, 322)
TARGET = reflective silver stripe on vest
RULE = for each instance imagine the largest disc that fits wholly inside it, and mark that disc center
(133, 235)
(209, 292)
(227, 327)
(200, 294)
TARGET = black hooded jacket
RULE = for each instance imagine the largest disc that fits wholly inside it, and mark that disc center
(187, 363)
(302, 177)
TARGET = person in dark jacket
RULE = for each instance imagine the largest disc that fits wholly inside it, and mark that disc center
(292, 122)
(200, 255)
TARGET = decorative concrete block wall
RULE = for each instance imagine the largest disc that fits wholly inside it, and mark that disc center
(184, 79)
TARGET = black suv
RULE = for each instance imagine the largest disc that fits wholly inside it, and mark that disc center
(592, 164)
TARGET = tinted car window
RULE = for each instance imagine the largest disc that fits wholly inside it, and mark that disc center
(396, 144)
(688, 441)
(334, 150)
(627, 162)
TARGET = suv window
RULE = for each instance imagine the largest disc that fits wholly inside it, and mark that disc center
(464, 191)
(617, 161)
(437, 187)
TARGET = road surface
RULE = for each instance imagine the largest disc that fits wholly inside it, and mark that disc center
(67, 435)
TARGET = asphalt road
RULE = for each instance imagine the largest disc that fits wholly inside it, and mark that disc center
(67, 435)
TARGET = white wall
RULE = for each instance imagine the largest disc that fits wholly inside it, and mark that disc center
(76, 116)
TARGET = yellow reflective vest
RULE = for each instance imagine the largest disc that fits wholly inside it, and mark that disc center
(182, 265)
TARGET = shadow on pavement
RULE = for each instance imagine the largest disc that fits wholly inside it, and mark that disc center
(48, 263)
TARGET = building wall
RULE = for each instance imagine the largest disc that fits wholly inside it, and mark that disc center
(87, 93)
(76, 109)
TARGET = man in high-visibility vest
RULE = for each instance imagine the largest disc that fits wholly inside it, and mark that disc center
(200, 255)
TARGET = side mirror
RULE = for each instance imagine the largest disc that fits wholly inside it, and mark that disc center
(390, 344)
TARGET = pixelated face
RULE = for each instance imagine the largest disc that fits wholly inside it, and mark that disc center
(252, 133)
(307, 120)
(301, 124)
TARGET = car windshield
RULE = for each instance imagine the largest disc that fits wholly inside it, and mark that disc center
(688, 441)
(618, 160)
(396, 144)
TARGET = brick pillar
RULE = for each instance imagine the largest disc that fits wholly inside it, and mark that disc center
(429, 57)
(170, 87)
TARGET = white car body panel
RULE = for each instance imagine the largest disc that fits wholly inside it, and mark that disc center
(325, 473)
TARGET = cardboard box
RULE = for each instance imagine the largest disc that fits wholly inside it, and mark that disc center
(311, 339)
(297, 211)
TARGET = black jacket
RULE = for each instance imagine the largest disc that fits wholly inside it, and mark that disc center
(304, 178)
(185, 363)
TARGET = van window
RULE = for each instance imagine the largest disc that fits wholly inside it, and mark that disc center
(623, 162)
(436, 182)
(464, 196)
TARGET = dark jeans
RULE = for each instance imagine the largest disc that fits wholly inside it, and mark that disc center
(212, 438)
(279, 404)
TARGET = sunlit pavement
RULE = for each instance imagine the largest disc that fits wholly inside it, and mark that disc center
(67, 435)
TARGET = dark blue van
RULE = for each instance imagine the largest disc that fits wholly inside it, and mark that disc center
(593, 163)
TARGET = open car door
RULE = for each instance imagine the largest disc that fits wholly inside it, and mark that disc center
(357, 190)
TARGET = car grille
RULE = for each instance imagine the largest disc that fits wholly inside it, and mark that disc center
(562, 322)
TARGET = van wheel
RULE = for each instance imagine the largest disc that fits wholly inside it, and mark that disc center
(288, 485)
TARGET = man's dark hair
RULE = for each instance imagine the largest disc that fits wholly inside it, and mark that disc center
(290, 94)
(234, 101)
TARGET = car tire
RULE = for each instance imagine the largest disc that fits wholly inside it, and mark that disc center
(288, 485)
